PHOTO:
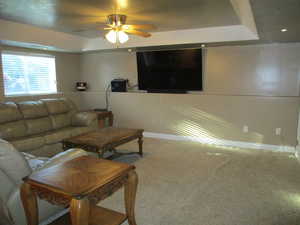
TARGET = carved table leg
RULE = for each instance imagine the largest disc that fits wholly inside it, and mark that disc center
(29, 201)
(79, 211)
(130, 193)
(140, 141)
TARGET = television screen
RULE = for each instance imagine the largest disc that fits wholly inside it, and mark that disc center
(175, 70)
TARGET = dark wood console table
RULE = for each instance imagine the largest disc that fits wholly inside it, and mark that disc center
(102, 116)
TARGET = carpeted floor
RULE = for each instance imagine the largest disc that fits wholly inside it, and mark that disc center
(185, 183)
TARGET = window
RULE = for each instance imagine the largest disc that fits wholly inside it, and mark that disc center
(28, 74)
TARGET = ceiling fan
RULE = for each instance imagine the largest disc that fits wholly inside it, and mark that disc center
(118, 29)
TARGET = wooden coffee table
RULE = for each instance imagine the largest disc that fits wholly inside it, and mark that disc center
(106, 139)
(81, 183)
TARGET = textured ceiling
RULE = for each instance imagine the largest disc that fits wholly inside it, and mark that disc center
(87, 17)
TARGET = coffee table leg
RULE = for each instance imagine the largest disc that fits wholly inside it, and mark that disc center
(79, 211)
(64, 146)
(130, 193)
(29, 201)
(140, 141)
(111, 119)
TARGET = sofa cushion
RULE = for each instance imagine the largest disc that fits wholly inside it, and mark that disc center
(38, 126)
(83, 119)
(80, 130)
(70, 104)
(12, 130)
(9, 112)
(60, 120)
(56, 136)
(28, 143)
(56, 106)
(33, 109)
(73, 108)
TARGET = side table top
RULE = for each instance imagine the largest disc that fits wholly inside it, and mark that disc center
(79, 176)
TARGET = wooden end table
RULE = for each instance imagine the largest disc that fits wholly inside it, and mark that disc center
(81, 183)
(105, 139)
(102, 115)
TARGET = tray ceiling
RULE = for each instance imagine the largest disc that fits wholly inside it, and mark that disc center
(86, 18)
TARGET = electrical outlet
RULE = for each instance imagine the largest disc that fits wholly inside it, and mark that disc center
(278, 131)
(245, 129)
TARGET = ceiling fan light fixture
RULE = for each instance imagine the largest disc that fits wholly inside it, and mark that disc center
(111, 36)
(114, 36)
(119, 30)
(123, 37)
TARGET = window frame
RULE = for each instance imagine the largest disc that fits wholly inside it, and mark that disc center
(20, 53)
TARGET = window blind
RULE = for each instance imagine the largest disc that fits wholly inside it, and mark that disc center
(28, 74)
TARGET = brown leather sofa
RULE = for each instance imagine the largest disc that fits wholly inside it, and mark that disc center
(38, 127)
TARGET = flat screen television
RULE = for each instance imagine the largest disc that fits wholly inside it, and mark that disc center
(170, 71)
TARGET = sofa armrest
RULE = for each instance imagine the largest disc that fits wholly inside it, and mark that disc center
(63, 157)
(83, 119)
(4, 214)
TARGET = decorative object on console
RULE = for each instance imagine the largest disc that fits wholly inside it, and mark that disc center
(81, 86)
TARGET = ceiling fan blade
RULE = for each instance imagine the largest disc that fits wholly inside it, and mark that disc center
(139, 33)
(139, 27)
(110, 25)
(107, 28)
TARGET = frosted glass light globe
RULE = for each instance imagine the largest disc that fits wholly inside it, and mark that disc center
(111, 36)
(123, 37)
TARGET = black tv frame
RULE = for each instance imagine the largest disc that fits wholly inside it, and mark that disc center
(175, 91)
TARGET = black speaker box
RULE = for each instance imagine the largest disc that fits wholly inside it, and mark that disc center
(119, 85)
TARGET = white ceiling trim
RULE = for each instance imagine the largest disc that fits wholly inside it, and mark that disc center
(189, 36)
(244, 11)
(17, 32)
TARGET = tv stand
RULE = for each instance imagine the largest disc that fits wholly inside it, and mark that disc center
(167, 91)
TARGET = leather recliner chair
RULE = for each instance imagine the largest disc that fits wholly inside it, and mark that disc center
(14, 166)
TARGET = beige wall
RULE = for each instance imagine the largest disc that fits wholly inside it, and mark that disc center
(260, 70)
(210, 116)
(263, 70)
(257, 86)
(67, 72)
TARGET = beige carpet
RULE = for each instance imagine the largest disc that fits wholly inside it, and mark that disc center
(185, 183)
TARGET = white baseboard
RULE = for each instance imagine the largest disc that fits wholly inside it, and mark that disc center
(222, 142)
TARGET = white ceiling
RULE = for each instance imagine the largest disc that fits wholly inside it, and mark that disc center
(184, 22)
